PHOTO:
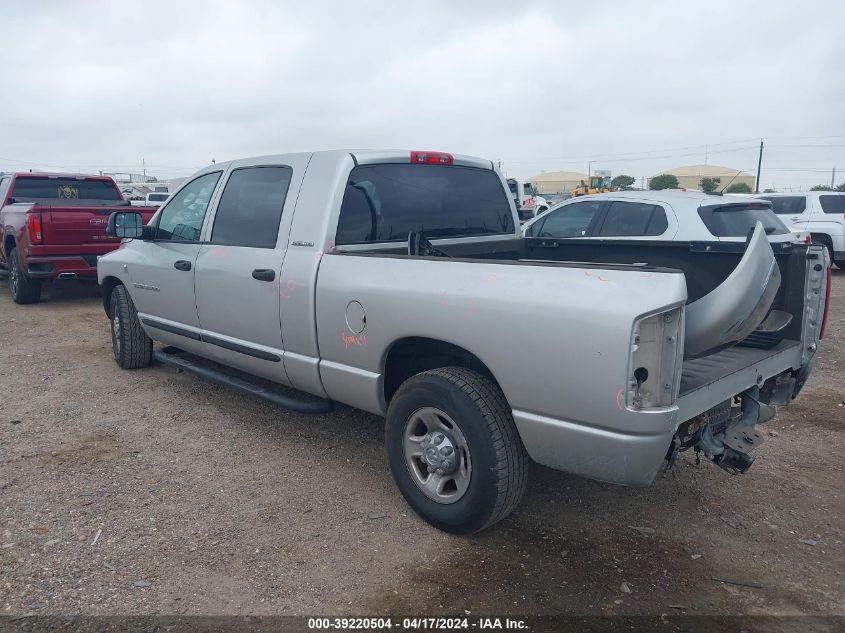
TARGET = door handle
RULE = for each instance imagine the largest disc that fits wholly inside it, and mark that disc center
(795, 219)
(264, 274)
(182, 264)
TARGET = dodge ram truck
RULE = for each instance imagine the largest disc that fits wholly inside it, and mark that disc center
(397, 283)
(54, 227)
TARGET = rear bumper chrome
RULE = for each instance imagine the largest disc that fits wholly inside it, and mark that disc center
(61, 266)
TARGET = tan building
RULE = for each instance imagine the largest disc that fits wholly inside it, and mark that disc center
(556, 181)
(690, 176)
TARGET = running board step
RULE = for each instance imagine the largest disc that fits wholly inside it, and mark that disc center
(180, 360)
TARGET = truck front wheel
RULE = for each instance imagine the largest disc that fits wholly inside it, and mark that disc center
(133, 349)
(454, 449)
(23, 288)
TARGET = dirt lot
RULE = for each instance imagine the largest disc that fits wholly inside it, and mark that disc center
(155, 492)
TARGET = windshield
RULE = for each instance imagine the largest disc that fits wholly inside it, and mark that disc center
(46, 188)
(384, 203)
(736, 220)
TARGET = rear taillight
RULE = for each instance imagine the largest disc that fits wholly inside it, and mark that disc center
(826, 303)
(33, 225)
(656, 353)
(432, 158)
(808, 239)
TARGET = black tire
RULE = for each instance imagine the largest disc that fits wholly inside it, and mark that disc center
(499, 470)
(133, 349)
(24, 289)
(840, 264)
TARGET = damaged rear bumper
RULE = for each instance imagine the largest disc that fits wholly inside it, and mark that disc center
(726, 434)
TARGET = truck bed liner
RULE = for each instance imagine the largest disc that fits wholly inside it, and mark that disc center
(700, 372)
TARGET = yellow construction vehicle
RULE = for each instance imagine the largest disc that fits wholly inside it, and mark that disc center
(598, 184)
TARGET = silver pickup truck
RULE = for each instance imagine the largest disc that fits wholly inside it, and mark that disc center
(397, 283)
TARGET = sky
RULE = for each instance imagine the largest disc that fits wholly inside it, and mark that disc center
(634, 87)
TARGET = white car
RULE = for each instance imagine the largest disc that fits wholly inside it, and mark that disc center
(153, 199)
(669, 215)
(819, 213)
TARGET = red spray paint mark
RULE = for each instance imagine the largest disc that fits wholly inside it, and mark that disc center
(444, 300)
(490, 278)
(290, 286)
(646, 275)
(353, 339)
(619, 398)
(472, 307)
(217, 252)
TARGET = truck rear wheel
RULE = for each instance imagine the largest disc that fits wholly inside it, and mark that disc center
(133, 349)
(454, 450)
(23, 288)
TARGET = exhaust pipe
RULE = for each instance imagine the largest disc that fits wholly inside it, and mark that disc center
(67, 275)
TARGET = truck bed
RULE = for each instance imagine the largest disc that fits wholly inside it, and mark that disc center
(698, 373)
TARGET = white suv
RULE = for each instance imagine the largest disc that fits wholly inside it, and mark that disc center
(670, 215)
(820, 213)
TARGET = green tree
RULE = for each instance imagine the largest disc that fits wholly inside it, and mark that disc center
(621, 181)
(739, 187)
(663, 181)
(769, 191)
(821, 188)
(840, 186)
(709, 185)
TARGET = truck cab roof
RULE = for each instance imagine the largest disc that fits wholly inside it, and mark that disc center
(362, 157)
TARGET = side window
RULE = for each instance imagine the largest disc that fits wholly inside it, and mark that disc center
(833, 203)
(633, 219)
(787, 205)
(181, 218)
(571, 220)
(251, 206)
(4, 189)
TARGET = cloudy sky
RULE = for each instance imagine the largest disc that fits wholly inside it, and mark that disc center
(635, 87)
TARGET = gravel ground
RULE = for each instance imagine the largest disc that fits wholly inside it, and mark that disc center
(155, 492)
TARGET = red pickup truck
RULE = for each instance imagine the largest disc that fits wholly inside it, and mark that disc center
(54, 227)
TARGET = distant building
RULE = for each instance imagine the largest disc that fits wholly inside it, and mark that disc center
(556, 181)
(139, 191)
(129, 177)
(690, 176)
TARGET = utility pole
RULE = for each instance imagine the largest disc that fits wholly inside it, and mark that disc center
(589, 170)
(832, 178)
(759, 163)
(706, 149)
(144, 166)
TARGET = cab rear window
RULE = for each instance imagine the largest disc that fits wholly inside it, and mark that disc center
(64, 189)
(736, 220)
(383, 203)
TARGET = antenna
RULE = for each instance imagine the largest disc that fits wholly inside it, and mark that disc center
(738, 172)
